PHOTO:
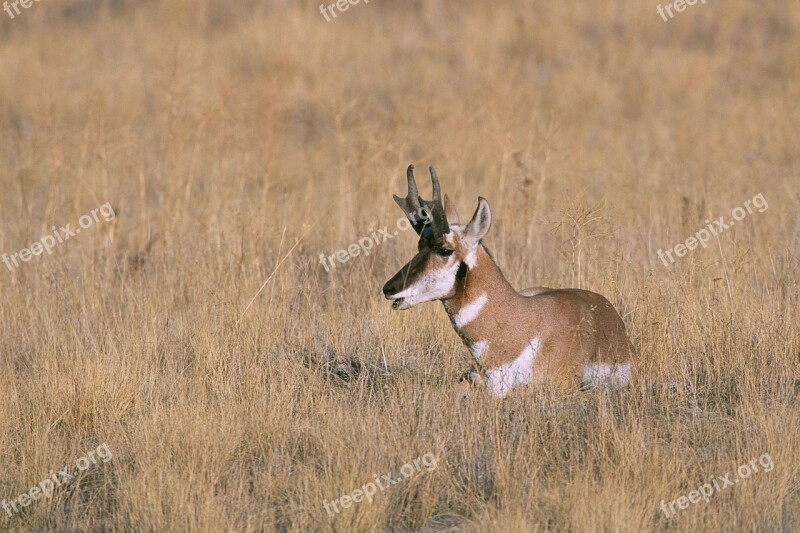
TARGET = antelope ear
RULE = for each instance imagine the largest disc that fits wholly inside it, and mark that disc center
(479, 226)
(450, 211)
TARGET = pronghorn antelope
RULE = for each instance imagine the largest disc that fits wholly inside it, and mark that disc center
(517, 338)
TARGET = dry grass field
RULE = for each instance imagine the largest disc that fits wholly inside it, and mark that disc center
(239, 386)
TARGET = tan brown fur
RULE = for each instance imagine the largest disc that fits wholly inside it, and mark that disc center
(526, 337)
(574, 326)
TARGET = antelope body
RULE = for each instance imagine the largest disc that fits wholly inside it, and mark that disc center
(516, 338)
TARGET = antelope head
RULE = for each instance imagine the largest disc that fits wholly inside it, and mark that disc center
(445, 251)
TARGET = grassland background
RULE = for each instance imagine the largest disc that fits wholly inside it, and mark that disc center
(224, 132)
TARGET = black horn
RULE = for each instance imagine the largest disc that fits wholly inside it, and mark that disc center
(422, 212)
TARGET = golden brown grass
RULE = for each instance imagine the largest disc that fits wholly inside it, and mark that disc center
(224, 132)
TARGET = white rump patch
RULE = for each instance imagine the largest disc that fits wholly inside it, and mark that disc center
(500, 380)
(477, 349)
(604, 375)
(470, 312)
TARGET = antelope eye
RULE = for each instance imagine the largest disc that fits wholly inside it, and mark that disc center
(444, 252)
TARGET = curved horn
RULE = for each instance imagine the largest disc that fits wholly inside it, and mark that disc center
(436, 208)
(414, 206)
(435, 182)
(411, 203)
(412, 183)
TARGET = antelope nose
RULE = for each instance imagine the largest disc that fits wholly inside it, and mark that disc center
(390, 288)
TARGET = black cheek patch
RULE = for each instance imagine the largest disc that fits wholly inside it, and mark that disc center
(462, 271)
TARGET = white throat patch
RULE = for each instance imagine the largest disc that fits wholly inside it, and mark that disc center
(470, 312)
